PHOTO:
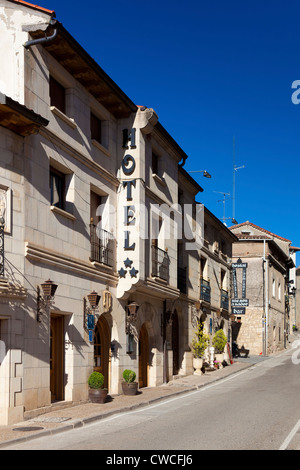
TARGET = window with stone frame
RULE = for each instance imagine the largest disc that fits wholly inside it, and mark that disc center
(57, 95)
(57, 188)
(96, 128)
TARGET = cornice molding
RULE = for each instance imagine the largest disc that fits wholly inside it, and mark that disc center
(67, 263)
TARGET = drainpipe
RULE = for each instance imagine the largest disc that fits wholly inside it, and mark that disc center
(46, 39)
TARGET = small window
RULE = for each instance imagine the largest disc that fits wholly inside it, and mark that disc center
(273, 288)
(223, 280)
(57, 188)
(155, 164)
(57, 95)
(96, 128)
(203, 268)
(96, 201)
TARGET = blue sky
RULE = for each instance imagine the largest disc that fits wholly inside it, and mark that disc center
(213, 71)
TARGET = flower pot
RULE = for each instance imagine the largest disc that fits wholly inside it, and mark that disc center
(220, 358)
(130, 388)
(197, 364)
(97, 395)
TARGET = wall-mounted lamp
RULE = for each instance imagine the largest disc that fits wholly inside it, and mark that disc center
(131, 315)
(130, 320)
(45, 299)
(94, 299)
(89, 313)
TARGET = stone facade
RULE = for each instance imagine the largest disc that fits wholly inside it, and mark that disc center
(82, 173)
(264, 326)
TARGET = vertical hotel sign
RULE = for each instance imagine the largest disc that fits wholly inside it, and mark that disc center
(239, 303)
(132, 213)
(128, 263)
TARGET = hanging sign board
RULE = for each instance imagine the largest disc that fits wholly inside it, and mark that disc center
(238, 304)
(238, 310)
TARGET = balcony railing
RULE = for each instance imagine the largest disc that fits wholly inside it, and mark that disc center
(181, 280)
(205, 290)
(160, 263)
(102, 246)
(224, 299)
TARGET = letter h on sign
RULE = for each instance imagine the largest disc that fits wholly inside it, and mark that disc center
(129, 136)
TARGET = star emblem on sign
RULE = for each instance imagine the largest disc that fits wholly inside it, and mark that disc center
(128, 263)
(122, 272)
(133, 272)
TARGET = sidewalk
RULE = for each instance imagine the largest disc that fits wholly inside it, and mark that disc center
(64, 418)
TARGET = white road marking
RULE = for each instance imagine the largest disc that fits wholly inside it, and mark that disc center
(290, 437)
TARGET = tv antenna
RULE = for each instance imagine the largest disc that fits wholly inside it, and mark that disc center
(224, 218)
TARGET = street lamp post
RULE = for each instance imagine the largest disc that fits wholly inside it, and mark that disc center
(205, 173)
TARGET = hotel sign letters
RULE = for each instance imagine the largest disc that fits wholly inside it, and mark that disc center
(128, 166)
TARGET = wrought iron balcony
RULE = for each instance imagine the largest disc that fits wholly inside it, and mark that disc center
(102, 246)
(224, 299)
(160, 263)
(205, 290)
(181, 280)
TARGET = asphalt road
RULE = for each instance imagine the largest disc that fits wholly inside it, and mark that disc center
(256, 409)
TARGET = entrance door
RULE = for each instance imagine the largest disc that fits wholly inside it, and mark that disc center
(143, 357)
(175, 343)
(57, 358)
(101, 349)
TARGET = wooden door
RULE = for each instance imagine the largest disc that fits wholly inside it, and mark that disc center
(143, 357)
(101, 349)
(175, 343)
(57, 358)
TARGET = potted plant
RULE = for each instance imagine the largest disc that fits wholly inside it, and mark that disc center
(199, 345)
(97, 394)
(129, 386)
(219, 342)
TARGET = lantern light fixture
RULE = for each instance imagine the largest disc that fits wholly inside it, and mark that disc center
(89, 313)
(94, 299)
(49, 289)
(131, 316)
(45, 299)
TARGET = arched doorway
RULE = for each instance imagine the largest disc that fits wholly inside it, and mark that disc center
(143, 357)
(175, 343)
(101, 349)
